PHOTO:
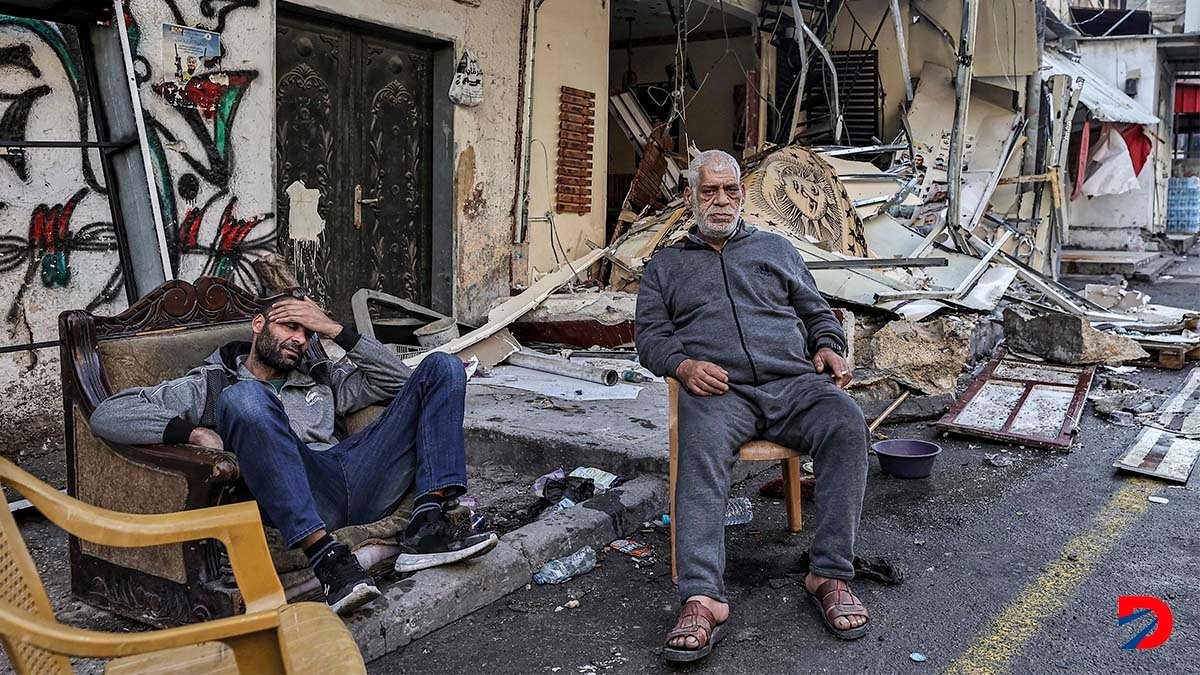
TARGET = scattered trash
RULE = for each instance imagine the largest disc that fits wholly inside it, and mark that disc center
(998, 459)
(917, 656)
(571, 604)
(479, 523)
(601, 479)
(738, 511)
(567, 568)
(1121, 418)
(558, 491)
(547, 403)
(539, 485)
(561, 505)
(575, 488)
(1158, 500)
(632, 548)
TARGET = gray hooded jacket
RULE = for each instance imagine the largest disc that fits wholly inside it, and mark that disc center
(752, 309)
(316, 394)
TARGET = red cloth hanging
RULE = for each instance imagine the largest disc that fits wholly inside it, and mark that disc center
(1139, 146)
(1081, 166)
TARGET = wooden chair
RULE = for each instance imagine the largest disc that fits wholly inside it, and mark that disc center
(271, 637)
(754, 451)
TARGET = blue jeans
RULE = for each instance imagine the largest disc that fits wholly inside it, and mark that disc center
(418, 439)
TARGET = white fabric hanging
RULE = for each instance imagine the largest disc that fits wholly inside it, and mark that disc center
(1114, 173)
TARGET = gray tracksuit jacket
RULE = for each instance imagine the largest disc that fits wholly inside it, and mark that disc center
(752, 309)
(316, 394)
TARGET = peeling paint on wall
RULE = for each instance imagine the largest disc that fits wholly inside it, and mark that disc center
(304, 220)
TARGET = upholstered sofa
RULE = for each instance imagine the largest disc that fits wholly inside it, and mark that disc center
(160, 337)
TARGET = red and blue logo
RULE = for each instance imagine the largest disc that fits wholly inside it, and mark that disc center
(1130, 608)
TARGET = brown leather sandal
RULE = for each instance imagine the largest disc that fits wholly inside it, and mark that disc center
(834, 601)
(695, 621)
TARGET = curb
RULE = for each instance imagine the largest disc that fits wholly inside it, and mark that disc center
(431, 599)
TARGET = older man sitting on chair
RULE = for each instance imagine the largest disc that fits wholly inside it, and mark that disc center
(733, 314)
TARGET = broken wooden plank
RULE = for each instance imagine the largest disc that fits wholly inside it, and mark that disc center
(1168, 449)
(516, 306)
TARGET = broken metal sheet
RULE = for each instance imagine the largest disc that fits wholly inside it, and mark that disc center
(1106, 102)
(1168, 447)
(1161, 454)
(1022, 402)
(886, 237)
(859, 179)
(988, 138)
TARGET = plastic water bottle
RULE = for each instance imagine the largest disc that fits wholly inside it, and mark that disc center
(565, 569)
(738, 511)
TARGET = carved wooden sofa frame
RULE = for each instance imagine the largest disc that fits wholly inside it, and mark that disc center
(161, 336)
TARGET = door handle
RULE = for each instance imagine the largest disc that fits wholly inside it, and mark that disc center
(358, 202)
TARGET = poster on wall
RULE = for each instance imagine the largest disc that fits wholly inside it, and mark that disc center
(190, 55)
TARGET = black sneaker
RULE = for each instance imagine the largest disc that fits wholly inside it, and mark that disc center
(437, 542)
(347, 586)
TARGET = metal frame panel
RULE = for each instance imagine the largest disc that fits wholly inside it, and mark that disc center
(952, 421)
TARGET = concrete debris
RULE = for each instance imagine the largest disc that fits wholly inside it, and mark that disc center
(924, 357)
(603, 319)
(1064, 338)
(1116, 298)
(998, 459)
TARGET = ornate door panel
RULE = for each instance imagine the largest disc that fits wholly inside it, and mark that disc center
(396, 137)
(354, 128)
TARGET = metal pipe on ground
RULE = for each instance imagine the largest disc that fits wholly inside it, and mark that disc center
(560, 366)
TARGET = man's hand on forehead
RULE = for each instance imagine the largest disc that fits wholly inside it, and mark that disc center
(306, 313)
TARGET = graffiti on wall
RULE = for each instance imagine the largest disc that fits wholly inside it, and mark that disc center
(56, 234)
(58, 246)
(194, 149)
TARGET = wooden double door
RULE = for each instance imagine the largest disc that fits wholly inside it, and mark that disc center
(354, 122)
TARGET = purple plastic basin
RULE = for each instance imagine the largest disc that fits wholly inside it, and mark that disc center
(905, 458)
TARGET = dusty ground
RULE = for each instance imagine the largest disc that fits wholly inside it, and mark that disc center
(1013, 569)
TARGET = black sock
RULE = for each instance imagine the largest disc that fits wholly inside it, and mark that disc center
(425, 508)
(314, 551)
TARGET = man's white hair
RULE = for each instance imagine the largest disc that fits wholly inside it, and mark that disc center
(711, 159)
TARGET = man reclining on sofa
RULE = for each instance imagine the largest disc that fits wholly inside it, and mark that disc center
(275, 406)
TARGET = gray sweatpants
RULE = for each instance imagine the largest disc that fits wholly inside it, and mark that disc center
(808, 413)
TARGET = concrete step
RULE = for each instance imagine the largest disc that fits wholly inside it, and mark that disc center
(1142, 265)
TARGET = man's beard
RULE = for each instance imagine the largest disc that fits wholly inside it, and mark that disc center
(269, 351)
(713, 230)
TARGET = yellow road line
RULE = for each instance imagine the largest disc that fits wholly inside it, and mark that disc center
(1050, 592)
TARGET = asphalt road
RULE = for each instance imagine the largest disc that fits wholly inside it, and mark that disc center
(1008, 569)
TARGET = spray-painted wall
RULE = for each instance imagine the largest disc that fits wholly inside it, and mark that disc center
(58, 246)
(211, 159)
